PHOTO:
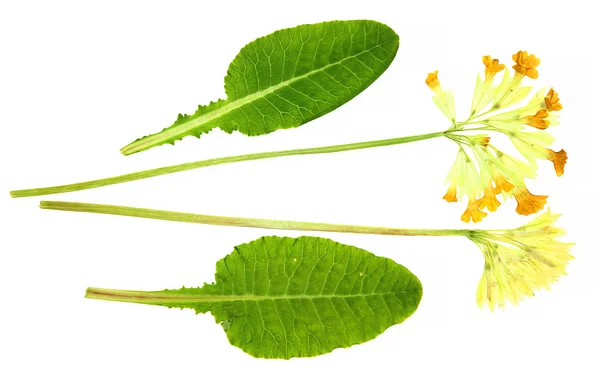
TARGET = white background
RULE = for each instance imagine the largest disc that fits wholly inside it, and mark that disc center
(80, 80)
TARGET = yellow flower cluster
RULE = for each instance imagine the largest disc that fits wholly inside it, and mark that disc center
(521, 261)
(482, 171)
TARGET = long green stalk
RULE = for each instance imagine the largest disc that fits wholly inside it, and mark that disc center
(242, 222)
(207, 163)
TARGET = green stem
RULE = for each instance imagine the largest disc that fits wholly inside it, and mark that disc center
(207, 163)
(243, 222)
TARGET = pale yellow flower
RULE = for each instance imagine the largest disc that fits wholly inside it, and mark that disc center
(443, 99)
(521, 261)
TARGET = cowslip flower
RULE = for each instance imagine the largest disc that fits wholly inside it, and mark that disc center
(521, 261)
(481, 171)
(525, 64)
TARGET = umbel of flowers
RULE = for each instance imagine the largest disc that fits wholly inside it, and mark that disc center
(520, 261)
(481, 170)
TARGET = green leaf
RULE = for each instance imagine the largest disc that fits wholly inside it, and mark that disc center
(288, 78)
(284, 297)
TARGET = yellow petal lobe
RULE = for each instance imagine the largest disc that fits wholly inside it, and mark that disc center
(472, 212)
(538, 120)
(527, 203)
(552, 101)
(450, 196)
(559, 159)
(432, 80)
(525, 64)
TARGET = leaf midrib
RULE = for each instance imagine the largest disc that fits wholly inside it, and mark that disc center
(162, 298)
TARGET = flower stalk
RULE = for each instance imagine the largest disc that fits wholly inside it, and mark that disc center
(241, 222)
(217, 161)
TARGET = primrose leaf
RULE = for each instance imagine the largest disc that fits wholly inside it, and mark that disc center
(295, 297)
(288, 78)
